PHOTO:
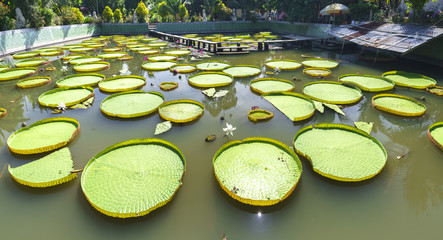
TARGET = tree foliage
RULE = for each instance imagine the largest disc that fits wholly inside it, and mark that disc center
(142, 12)
(108, 14)
(118, 17)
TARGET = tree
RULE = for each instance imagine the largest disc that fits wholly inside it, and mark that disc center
(107, 14)
(118, 15)
(142, 12)
(182, 12)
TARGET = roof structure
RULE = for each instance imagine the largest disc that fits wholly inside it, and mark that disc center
(400, 38)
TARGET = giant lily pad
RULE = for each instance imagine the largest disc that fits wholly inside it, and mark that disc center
(242, 70)
(81, 49)
(320, 63)
(3, 112)
(68, 96)
(72, 56)
(82, 79)
(33, 82)
(266, 85)
(183, 68)
(317, 72)
(157, 44)
(133, 178)
(210, 79)
(158, 66)
(398, 104)
(54, 169)
(332, 92)
(368, 82)
(180, 111)
(111, 55)
(257, 171)
(178, 52)
(16, 73)
(46, 49)
(5, 67)
(436, 90)
(51, 53)
(162, 58)
(25, 55)
(87, 59)
(149, 52)
(256, 115)
(168, 86)
(91, 66)
(131, 104)
(283, 64)
(114, 49)
(212, 66)
(435, 133)
(43, 136)
(122, 83)
(295, 106)
(412, 80)
(340, 152)
(32, 62)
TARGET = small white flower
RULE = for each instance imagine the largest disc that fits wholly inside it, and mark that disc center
(114, 75)
(62, 106)
(277, 69)
(229, 129)
(65, 68)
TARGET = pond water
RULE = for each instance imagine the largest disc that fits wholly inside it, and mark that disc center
(403, 202)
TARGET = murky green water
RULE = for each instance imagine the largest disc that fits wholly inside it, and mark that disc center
(403, 202)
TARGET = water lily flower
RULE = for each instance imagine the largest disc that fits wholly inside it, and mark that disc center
(145, 58)
(229, 129)
(42, 69)
(254, 107)
(114, 75)
(62, 106)
(65, 68)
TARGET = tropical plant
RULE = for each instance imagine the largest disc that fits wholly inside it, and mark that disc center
(118, 15)
(142, 12)
(108, 14)
(71, 15)
(48, 15)
(182, 12)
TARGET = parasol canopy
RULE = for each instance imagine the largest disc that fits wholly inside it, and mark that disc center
(334, 10)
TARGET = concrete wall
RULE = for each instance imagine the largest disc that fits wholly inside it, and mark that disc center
(23, 39)
(123, 28)
(307, 29)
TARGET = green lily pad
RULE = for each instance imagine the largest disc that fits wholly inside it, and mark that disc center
(266, 85)
(87, 59)
(283, 64)
(212, 66)
(122, 83)
(320, 63)
(33, 82)
(3, 112)
(72, 56)
(113, 49)
(163, 127)
(242, 70)
(131, 104)
(68, 96)
(332, 92)
(43, 136)
(149, 52)
(398, 104)
(317, 72)
(4, 67)
(210, 79)
(111, 55)
(257, 171)
(168, 86)
(33, 62)
(157, 44)
(158, 66)
(436, 90)
(412, 80)
(133, 178)
(368, 82)
(51, 170)
(183, 68)
(178, 52)
(181, 111)
(340, 152)
(16, 73)
(364, 126)
(82, 79)
(162, 58)
(81, 49)
(51, 53)
(256, 115)
(25, 55)
(91, 66)
(295, 106)
(435, 133)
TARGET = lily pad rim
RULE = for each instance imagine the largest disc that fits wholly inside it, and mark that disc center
(283, 60)
(90, 89)
(120, 89)
(333, 102)
(393, 111)
(430, 129)
(181, 101)
(269, 79)
(213, 85)
(407, 85)
(48, 80)
(368, 76)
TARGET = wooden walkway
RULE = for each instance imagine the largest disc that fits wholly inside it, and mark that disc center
(217, 48)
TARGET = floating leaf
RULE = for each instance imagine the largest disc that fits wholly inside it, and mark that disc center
(364, 126)
(435, 133)
(398, 104)
(48, 171)
(209, 92)
(319, 106)
(220, 93)
(79, 105)
(163, 127)
(335, 108)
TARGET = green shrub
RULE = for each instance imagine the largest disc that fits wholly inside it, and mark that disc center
(71, 15)
(182, 12)
(48, 16)
(6, 22)
(35, 16)
(142, 12)
(107, 14)
(117, 15)
(155, 18)
(360, 11)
